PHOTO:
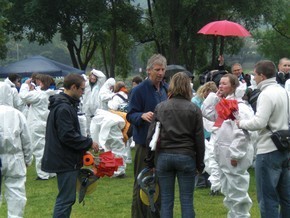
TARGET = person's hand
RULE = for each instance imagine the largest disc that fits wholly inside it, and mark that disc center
(221, 60)
(147, 116)
(219, 93)
(28, 81)
(199, 168)
(234, 163)
(30, 84)
(95, 146)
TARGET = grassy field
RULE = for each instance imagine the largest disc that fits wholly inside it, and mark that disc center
(112, 198)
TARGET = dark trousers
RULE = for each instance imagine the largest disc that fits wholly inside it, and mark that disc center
(66, 197)
(140, 210)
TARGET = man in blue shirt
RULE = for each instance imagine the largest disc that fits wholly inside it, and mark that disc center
(143, 101)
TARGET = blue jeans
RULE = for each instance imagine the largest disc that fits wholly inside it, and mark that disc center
(169, 166)
(66, 197)
(273, 184)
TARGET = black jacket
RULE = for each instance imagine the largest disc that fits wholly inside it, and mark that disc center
(64, 144)
(281, 78)
(181, 129)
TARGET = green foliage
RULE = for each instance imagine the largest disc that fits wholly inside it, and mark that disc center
(174, 26)
(4, 6)
(113, 197)
(272, 45)
(83, 25)
(105, 33)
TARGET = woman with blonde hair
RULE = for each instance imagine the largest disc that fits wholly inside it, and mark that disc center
(203, 91)
(180, 150)
(201, 94)
(202, 181)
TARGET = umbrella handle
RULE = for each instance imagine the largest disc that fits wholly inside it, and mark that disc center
(222, 45)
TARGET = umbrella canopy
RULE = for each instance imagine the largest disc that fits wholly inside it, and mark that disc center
(224, 28)
(38, 64)
(173, 69)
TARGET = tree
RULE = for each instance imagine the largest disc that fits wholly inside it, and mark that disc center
(273, 45)
(80, 24)
(174, 25)
(124, 22)
(84, 25)
(274, 42)
(18, 50)
(4, 5)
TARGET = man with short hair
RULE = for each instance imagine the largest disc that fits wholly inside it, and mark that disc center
(272, 166)
(283, 71)
(238, 71)
(143, 101)
(65, 145)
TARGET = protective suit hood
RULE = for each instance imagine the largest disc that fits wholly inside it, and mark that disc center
(6, 95)
(110, 82)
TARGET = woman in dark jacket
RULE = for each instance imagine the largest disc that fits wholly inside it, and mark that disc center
(180, 149)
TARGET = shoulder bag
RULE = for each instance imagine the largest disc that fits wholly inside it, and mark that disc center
(281, 138)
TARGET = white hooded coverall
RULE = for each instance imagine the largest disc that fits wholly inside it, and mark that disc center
(15, 153)
(37, 116)
(90, 97)
(106, 94)
(17, 102)
(232, 143)
(106, 130)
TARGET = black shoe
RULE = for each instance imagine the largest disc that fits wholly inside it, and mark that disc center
(214, 193)
(39, 178)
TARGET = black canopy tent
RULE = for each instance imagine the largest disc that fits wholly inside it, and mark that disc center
(38, 64)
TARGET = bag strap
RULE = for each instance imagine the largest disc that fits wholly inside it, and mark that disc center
(122, 97)
(268, 127)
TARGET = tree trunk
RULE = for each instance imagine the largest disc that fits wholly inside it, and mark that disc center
(113, 53)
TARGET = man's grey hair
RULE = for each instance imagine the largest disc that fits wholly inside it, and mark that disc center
(156, 59)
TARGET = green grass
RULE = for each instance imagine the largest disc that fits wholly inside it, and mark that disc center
(112, 198)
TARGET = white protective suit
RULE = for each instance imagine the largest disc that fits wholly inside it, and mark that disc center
(211, 166)
(230, 142)
(90, 97)
(15, 152)
(17, 102)
(116, 100)
(83, 123)
(106, 130)
(36, 119)
(106, 94)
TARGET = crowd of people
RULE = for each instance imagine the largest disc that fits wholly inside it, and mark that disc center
(207, 139)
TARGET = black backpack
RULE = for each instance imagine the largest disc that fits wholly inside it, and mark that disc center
(252, 96)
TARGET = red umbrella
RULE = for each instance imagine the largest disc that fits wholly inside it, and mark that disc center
(224, 28)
